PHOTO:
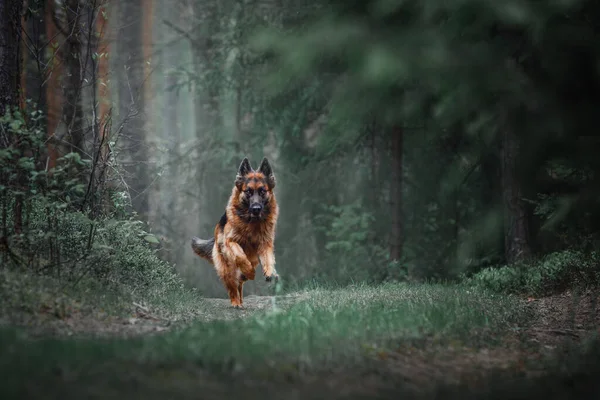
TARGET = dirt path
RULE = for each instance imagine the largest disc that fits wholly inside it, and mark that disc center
(415, 367)
(141, 320)
(558, 320)
(567, 315)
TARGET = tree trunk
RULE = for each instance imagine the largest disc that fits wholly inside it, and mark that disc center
(131, 102)
(53, 88)
(34, 59)
(516, 222)
(10, 71)
(10, 53)
(396, 192)
(374, 193)
(72, 56)
(207, 109)
(24, 62)
(103, 121)
(102, 83)
(151, 137)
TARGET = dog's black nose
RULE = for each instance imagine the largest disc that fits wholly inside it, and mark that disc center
(255, 209)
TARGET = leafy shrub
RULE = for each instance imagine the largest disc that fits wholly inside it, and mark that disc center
(115, 252)
(503, 279)
(351, 250)
(130, 259)
(55, 224)
(550, 274)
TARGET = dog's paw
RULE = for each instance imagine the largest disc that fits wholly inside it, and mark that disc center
(270, 278)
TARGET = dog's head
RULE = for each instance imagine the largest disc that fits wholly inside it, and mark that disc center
(255, 190)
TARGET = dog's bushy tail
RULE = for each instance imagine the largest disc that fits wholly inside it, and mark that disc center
(203, 247)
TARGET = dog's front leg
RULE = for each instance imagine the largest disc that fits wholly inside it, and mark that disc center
(236, 254)
(267, 259)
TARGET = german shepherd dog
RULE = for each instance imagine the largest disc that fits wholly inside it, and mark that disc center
(245, 234)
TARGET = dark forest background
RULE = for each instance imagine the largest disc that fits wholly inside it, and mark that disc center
(412, 140)
(437, 165)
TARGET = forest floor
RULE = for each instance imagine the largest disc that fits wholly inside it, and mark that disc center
(423, 341)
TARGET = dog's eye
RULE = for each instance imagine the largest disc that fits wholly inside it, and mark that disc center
(262, 191)
(248, 192)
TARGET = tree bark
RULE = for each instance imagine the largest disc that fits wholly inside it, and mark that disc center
(72, 56)
(102, 84)
(516, 222)
(130, 72)
(151, 137)
(396, 192)
(207, 106)
(10, 53)
(33, 77)
(23, 66)
(102, 124)
(53, 88)
(10, 72)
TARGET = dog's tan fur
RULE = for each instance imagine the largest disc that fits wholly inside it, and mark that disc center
(241, 240)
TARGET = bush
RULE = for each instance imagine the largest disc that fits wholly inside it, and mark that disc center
(351, 251)
(55, 222)
(551, 274)
(115, 252)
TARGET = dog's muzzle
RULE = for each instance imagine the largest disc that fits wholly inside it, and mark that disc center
(255, 209)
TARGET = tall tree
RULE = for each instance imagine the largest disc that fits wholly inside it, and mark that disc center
(102, 113)
(397, 231)
(65, 35)
(102, 81)
(204, 50)
(72, 11)
(10, 70)
(10, 53)
(34, 57)
(130, 72)
(53, 74)
(516, 220)
(151, 137)
(24, 62)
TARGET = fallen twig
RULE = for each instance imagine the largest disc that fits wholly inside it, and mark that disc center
(572, 332)
(144, 312)
(141, 306)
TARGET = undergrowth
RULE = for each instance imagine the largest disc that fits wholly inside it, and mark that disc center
(29, 298)
(548, 275)
(69, 223)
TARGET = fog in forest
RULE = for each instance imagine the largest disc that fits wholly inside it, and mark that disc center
(436, 169)
(188, 101)
(399, 154)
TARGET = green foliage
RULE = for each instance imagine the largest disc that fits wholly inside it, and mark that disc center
(26, 297)
(114, 252)
(349, 247)
(552, 273)
(53, 227)
(453, 75)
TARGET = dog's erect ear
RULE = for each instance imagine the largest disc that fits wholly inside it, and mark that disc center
(244, 170)
(265, 169)
(245, 167)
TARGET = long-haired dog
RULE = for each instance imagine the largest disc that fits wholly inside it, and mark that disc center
(244, 237)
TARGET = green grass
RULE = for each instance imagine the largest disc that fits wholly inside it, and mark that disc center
(328, 330)
(25, 294)
(334, 327)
